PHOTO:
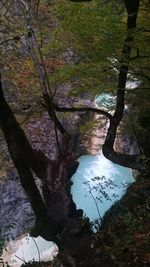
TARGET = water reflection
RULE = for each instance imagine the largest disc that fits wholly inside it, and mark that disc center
(99, 178)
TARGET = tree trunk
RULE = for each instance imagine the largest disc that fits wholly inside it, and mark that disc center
(131, 161)
(55, 210)
(21, 153)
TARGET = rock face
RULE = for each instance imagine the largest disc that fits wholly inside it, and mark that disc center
(126, 144)
(98, 135)
(41, 134)
(15, 210)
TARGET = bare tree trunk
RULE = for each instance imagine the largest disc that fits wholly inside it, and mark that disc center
(108, 151)
(54, 211)
(21, 153)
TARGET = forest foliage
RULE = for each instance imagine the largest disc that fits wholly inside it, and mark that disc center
(78, 42)
(81, 45)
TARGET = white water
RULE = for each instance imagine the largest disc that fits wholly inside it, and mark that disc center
(29, 249)
(106, 101)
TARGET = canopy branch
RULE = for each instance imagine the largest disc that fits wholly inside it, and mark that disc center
(82, 109)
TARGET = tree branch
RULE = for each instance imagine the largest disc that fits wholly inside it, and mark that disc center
(82, 109)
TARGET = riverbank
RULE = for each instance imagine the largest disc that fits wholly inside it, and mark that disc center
(91, 248)
(123, 239)
(70, 249)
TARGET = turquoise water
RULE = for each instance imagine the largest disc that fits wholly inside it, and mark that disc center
(106, 101)
(98, 183)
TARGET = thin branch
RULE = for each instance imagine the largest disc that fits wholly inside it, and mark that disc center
(37, 8)
(20, 259)
(140, 57)
(42, 72)
(15, 38)
(8, 8)
(138, 89)
(37, 248)
(82, 109)
(141, 75)
(24, 4)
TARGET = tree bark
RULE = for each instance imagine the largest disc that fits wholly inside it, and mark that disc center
(83, 109)
(22, 155)
(55, 210)
(131, 161)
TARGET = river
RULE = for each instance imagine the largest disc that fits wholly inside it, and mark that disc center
(97, 184)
